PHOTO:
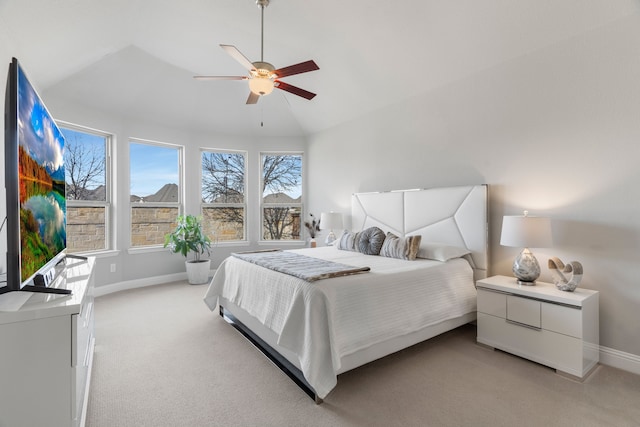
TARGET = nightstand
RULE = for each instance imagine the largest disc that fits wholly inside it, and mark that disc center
(540, 323)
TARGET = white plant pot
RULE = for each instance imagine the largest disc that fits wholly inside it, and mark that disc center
(198, 272)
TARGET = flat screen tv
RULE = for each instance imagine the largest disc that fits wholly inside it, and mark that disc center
(35, 188)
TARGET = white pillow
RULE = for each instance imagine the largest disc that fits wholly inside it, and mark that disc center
(441, 252)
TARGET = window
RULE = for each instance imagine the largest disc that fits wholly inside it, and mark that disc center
(223, 194)
(88, 188)
(281, 181)
(155, 190)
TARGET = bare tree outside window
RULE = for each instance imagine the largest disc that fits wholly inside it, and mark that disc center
(223, 198)
(84, 162)
(87, 189)
(223, 177)
(281, 196)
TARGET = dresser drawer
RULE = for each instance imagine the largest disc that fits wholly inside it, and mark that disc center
(493, 303)
(82, 346)
(81, 332)
(523, 310)
(562, 319)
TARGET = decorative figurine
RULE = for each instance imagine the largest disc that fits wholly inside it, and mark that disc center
(557, 268)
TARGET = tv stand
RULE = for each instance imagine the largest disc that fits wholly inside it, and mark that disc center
(46, 354)
(44, 289)
(44, 282)
(74, 256)
(48, 281)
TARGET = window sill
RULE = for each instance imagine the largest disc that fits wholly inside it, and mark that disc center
(146, 249)
(98, 254)
(281, 243)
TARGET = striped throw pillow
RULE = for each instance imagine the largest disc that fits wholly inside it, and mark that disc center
(401, 248)
(348, 241)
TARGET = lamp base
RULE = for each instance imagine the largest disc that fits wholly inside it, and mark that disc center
(526, 268)
(331, 238)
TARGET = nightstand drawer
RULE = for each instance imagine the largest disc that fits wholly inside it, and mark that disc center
(562, 319)
(546, 347)
(493, 303)
(523, 310)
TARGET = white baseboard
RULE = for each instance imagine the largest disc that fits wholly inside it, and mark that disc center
(138, 283)
(619, 359)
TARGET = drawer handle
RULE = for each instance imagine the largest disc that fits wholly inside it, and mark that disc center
(524, 325)
(89, 313)
(87, 352)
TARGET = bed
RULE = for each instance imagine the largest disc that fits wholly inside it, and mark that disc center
(315, 330)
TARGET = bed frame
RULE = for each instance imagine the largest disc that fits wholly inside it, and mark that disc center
(454, 216)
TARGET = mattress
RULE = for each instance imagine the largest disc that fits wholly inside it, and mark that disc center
(324, 321)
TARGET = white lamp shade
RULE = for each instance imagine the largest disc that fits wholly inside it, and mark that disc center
(526, 232)
(330, 220)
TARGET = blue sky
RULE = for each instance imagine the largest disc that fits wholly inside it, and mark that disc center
(152, 167)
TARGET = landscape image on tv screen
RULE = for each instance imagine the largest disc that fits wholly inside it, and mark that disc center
(41, 181)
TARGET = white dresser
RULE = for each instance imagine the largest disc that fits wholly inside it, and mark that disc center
(46, 352)
(541, 323)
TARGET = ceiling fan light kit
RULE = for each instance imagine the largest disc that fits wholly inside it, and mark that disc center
(263, 76)
(261, 85)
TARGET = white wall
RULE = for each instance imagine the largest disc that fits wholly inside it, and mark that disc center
(556, 131)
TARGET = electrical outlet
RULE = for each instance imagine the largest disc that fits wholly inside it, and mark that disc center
(113, 268)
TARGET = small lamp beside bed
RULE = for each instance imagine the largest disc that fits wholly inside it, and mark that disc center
(330, 221)
(526, 232)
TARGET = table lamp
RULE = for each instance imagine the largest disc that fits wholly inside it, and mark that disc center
(526, 232)
(330, 221)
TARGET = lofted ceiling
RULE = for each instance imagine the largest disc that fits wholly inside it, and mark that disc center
(137, 57)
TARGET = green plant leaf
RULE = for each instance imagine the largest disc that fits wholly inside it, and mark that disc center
(188, 237)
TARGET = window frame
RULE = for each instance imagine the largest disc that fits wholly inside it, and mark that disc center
(179, 204)
(263, 205)
(107, 204)
(204, 205)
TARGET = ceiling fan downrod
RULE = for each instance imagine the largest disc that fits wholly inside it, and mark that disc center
(262, 4)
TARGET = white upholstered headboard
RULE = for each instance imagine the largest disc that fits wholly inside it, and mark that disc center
(455, 216)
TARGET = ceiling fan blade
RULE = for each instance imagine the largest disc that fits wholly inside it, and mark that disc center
(238, 56)
(294, 90)
(303, 67)
(221, 77)
(253, 98)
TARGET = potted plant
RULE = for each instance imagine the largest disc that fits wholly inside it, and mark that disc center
(188, 237)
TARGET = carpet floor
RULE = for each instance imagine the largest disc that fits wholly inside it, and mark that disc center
(163, 359)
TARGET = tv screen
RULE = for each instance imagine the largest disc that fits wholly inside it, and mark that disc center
(35, 184)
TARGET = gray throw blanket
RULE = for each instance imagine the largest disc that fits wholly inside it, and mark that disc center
(301, 266)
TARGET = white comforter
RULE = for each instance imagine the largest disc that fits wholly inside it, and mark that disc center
(323, 321)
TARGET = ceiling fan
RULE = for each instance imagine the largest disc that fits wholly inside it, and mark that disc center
(263, 76)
